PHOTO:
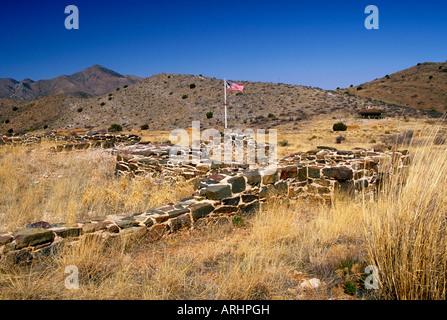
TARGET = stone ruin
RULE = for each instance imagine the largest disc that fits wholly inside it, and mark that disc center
(221, 192)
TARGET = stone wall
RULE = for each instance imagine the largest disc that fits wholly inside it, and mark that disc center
(221, 191)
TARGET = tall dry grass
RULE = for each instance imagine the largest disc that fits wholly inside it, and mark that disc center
(63, 187)
(405, 229)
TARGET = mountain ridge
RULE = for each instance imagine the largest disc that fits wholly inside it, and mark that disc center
(95, 80)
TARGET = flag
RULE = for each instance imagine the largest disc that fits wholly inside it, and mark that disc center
(234, 86)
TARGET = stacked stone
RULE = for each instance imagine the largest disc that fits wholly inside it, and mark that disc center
(222, 191)
(23, 140)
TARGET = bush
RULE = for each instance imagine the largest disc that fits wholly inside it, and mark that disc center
(185, 96)
(117, 89)
(7, 121)
(284, 143)
(15, 108)
(430, 77)
(239, 93)
(209, 115)
(102, 104)
(125, 86)
(192, 86)
(359, 88)
(144, 127)
(271, 115)
(79, 110)
(340, 126)
(10, 130)
(115, 127)
(45, 127)
(340, 139)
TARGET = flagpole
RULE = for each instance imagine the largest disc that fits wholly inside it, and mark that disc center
(225, 103)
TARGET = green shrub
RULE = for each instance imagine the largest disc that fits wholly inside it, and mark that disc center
(192, 86)
(125, 86)
(359, 88)
(185, 96)
(7, 121)
(10, 130)
(350, 287)
(15, 108)
(144, 127)
(102, 104)
(115, 127)
(79, 110)
(340, 126)
(430, 77)
(209, 115)
(271, 115)
(45, 127)
(239, 93)
(284, 143)
(110, 98)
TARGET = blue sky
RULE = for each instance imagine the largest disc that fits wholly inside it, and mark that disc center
(314, 43)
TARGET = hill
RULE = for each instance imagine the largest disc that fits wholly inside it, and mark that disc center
(423, 87)
(169, 101)
(95, 80)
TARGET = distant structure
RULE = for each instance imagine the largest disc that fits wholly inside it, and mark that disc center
(371, 114)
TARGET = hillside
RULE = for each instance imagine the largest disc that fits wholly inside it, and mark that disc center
(168, 101)
(95, 80)
(423, 87)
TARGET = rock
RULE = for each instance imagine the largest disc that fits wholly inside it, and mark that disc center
(270, 177)
(93, 227)
(339, 173)
(289, 172)
(155, 232)
(247, 209)
(177, 212)
(226, 209)
(302, 173)
(32, 237)
(314, 172)
(40, 224)
(281, 188)
(23, 256)
(218, 192)
(200, 210)
(313, 283)
(231, 201)
(247, 198)
(5, 239)
(237, 184)
(253, 177)
(67, 232)
(127, 223)
(183, 221)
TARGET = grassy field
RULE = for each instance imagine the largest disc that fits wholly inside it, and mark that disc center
(265, 256)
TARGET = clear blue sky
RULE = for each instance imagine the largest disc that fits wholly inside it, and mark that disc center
(314, 43)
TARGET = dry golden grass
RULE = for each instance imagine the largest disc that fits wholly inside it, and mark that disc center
(266, 257)
(63, 187)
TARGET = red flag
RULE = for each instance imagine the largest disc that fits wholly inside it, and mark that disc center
(234, 86)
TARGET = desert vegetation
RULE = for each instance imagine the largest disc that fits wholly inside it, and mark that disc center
(271, 254)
